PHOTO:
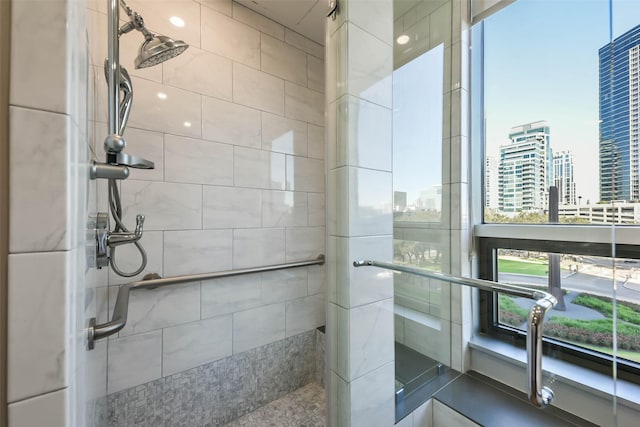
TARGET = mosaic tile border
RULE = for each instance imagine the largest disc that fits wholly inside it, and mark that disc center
(219, 392)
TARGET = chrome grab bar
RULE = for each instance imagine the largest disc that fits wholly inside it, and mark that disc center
(539, 396)
(119, 317)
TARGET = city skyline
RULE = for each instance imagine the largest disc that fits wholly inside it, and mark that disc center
(550, 72)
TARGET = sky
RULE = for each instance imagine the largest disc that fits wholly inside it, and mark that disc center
(541, 63)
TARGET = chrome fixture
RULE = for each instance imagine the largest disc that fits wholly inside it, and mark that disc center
(539, 396)
(333, 9)
(153, 280)
(154, 50)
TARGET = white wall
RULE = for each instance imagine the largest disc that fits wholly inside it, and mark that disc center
(47, 202)
(242, 186)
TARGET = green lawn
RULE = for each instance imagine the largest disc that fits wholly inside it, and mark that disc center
(533, 268)
(629, 355)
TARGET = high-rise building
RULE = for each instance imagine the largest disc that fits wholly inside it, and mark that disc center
(619, 115)
(525, 171)
(563, 177)
(491, 182)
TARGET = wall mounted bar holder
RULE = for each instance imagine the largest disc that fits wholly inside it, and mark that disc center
(539, 396)
(119, 317)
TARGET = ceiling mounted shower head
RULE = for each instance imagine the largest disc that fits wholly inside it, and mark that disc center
(158, 49)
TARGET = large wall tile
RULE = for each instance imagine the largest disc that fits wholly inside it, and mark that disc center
(197, 251)
(257, 21)
(38, 55)
(373, 17)
(370, 67)
(185, 71)
(257, 247)
(304, 104)
(304, 314)
(301, 42)
(231, 207)
(222, 6)
(284, 135)
(283, 60)
(259, 326)
(196, 161)
(369, 145)
(134, 360)
(37, 308)
(258, 169)
(230, 123)
(39, 200)
(304, 243)
(371, 405)
(316, 209)
(166, 206)
(256, 89)
(46, 410)
(229, 38)
(315, 73)
(165, 109)
(194, 344)
(230, 294)
(304, 174)
(151, 309)
(284, 285)
(370, 202)
(317, 278)
(370, 338)
(284, 209)
(316, 142)
(365, 285)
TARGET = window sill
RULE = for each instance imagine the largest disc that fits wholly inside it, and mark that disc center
(578, 390)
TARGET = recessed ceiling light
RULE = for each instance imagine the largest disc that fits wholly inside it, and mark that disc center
(178, 22)
(187, 124)
(162, 95)
(403, 39)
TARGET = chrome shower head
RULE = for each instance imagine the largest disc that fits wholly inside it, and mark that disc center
(158, 49)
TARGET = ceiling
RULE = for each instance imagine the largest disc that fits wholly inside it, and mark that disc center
(306, 17)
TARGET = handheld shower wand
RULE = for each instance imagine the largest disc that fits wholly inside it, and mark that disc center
(154, 50)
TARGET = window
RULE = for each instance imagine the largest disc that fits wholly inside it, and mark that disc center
(557, 114)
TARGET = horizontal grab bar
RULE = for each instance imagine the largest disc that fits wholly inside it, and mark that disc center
(119, 317)
(539, 396)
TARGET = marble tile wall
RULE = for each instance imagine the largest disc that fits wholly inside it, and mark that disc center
(235, 127)
(47, 213)
(360, 355)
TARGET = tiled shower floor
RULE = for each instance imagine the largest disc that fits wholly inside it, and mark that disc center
(304, 407)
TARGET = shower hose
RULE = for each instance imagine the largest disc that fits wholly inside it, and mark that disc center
(115, 206)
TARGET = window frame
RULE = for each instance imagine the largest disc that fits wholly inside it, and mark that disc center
(487, 249)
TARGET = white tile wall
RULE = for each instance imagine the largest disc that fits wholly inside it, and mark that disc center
(229, 38)
(196, 251)
(195, 161)
(259, 326)
(230, 123)
(46, 410)
(37, 314)
(40, 160)
(194, 344)
(258, 90)
(238, 139)
(134, 360)
(230, 207)
(284, 135)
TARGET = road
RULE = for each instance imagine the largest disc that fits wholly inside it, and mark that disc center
(579, 282)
